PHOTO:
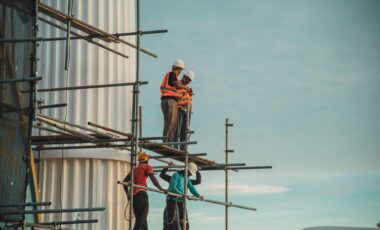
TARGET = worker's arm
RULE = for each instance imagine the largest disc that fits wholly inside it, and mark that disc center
(179, 85)
(192, 189)
(155, 182)
(173, 81)
(164, 175)
(198, 179)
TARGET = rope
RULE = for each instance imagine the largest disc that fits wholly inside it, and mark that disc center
(125, 211)
(174, 215)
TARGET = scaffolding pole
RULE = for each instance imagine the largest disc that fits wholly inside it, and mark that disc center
(24, 212)
(229, 204)
(78, 35)
(135, 106)
(227, 150)
(16, 80)
(33, 204)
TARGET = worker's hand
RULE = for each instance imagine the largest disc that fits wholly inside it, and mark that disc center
(170, 164)
(165, 191)
(201, 197)
(190, 91)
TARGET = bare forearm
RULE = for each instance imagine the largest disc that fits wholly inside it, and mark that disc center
(155, 181)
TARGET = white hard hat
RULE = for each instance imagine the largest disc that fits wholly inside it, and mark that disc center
(190, 74)
(179, 63)
(192, 168)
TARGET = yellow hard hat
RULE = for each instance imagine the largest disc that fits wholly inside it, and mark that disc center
(142, 156)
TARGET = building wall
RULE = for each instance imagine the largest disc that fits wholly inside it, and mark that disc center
(86, 182)
(88, 177)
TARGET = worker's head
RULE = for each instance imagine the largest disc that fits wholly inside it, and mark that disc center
(178, 66)
(142, 157)
(192, 168)
(188, 77)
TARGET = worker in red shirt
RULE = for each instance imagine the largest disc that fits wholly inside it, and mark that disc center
(140, 196)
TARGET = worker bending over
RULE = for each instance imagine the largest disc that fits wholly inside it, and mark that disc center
(169, 99)
(184, 107)
(166, 177)
(140, 196)
(174, 205)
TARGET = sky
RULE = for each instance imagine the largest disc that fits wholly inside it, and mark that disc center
(300, 82)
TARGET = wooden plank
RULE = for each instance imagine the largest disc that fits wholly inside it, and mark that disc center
(76, 23)
(35, 187)
(165, 150)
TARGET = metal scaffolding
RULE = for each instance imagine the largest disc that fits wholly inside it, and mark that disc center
(76, 136)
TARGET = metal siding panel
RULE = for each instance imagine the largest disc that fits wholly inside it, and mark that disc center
(89, 182)
(101, 192)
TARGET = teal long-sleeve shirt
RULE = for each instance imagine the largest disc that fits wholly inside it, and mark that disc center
(177, 185)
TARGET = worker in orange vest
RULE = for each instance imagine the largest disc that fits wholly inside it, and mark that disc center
(184, 107)
(169, 99)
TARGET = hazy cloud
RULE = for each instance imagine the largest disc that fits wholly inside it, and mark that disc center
(241, 189)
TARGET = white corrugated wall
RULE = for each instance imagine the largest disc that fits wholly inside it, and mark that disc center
(88, 176)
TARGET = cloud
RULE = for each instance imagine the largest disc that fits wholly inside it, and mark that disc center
(240, 189)
(204, 218)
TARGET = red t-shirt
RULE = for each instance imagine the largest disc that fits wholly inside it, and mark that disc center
(140, 173)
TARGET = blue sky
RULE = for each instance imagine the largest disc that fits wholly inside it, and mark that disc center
(300, 81)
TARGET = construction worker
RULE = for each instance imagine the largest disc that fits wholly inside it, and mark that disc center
(174, 205)
(140, 196)
(184, 107)
(167, 177)
(169, 99)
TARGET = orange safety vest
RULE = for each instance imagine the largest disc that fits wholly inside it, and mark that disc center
(185, 99)
(166, 89)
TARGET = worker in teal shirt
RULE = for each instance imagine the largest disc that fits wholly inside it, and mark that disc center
(174, 205)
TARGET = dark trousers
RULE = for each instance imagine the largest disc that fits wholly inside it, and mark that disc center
(170, 111)
(174, 216)
(141, 209)
(182, 125)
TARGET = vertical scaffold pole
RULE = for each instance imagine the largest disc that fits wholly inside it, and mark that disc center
(140, 125)
(184, 221)
(226, 172)
(135, 106)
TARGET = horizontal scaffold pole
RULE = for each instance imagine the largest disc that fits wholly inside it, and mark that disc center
(167, 143)
(82, 147)
(20, 80)
(68, 222)
(152, 138)
(52, 211)
(79, 141)
(190, 155)
(52, 106)
(109, 129)
(205, 167)
(26, 204)
(87, 39)
(201, 168)
(76, 37)
(230, 204)
(92, 86)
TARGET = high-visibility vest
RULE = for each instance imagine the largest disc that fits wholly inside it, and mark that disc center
(166, 89)
(185, 99)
